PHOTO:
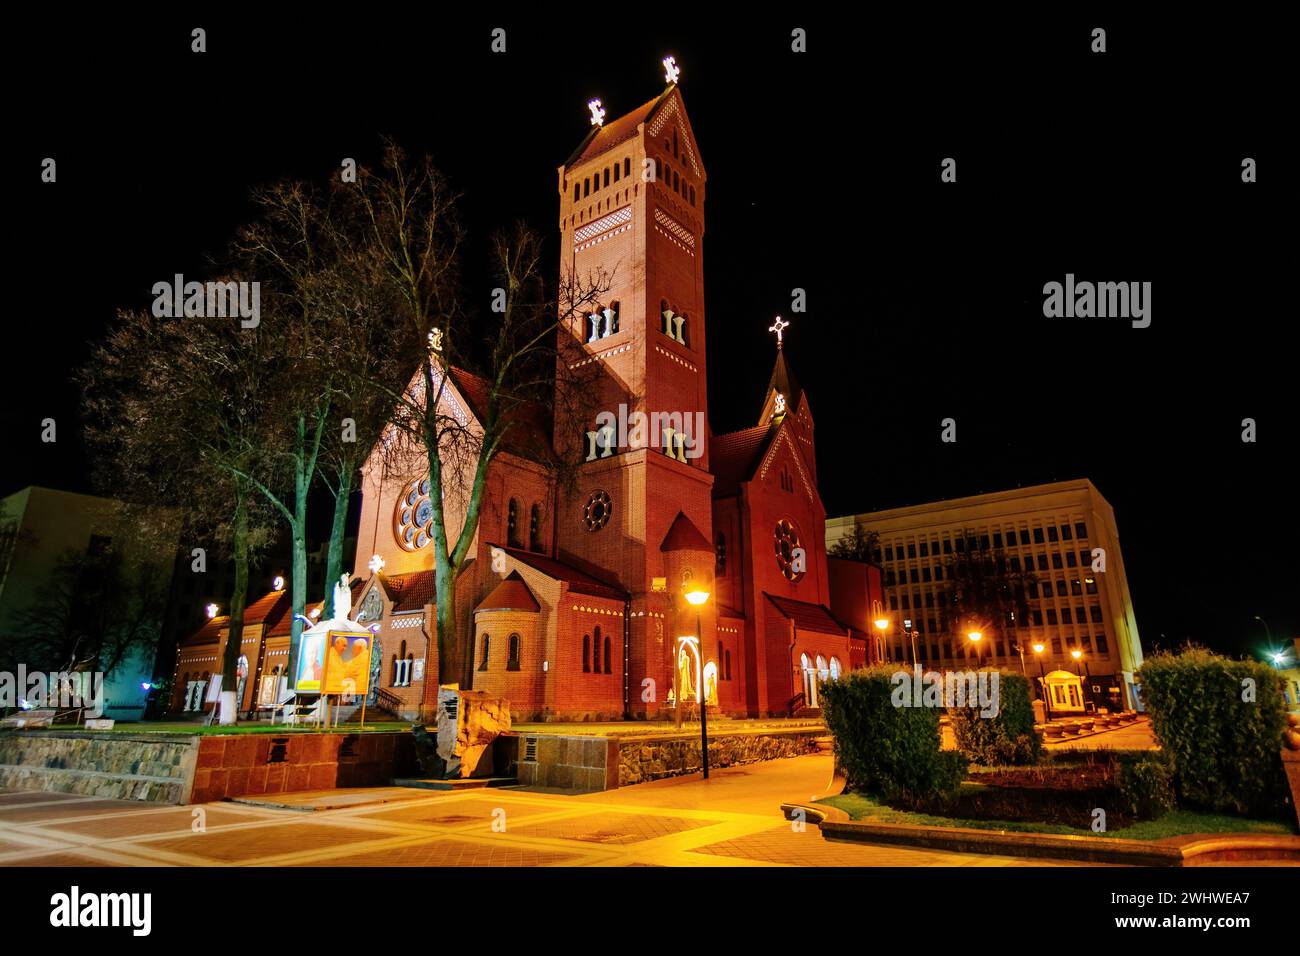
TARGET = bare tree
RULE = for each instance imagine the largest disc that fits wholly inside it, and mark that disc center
(411, 234)
(172, 408)
(860, 545)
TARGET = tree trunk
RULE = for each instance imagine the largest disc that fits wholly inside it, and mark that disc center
(449, 658)
(334, 556)
(298, 527)
(238, 600)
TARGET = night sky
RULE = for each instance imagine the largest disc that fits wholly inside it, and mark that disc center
(924, 298)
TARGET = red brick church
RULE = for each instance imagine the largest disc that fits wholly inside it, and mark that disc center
(577, 602)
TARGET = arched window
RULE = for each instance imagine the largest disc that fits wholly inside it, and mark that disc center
(627, 166)
(835, 668)
(728, 665)
(617, 169)
(606, 176)
(613, 322)
(577, 192)
(720, 548)
(677, 184)
(586, 187)
(535, 527)
(586, 653)
(512, 523)
(683, 335)
(512, 662)
(595, 652)
(607, 654)
(483, 661)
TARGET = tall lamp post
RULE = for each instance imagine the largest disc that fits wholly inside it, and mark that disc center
(975, 638)
(1039, 647)
(696, 595)
(881, 622)
(911, 632)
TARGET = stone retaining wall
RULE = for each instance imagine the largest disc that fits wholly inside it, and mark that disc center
(199, 768)
(111, 765)
(643, 759)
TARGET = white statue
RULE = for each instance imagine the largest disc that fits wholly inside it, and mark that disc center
(342, 599)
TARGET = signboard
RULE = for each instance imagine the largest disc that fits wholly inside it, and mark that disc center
(93, 723)
(347, 663)
(311, 663)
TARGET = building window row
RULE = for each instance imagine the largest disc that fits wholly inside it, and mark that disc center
(514, 646)
(591, 653)
(997, 540)
(601, 180)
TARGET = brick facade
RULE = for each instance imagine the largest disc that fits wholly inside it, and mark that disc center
(621, 581)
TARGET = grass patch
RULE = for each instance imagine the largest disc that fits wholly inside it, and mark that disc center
(1174, 824)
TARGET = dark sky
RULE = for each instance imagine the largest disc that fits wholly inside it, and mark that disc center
(924, 299)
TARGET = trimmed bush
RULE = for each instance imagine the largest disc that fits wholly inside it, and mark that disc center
(1146, 785)
(888, 751)
(1007, 737)
(1220, 721)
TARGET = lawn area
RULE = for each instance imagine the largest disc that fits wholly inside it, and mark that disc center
(1177, 823)
(190, 730)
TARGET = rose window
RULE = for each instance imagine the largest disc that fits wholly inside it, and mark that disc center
(786, 539)
(413, 516)
(595, 513)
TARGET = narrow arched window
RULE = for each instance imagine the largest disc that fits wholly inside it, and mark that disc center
(512, 523)
(607, 654)
(683, 331)
(586, 187)
(613, 323)
(535, 527)
(720, 548)
(627, 166)
(512, 662)
(577, 192)
(728, 665)
(595, 652)
(617, 169)
(586, 653)
(483, 653)
(692, 195)
(606, 176)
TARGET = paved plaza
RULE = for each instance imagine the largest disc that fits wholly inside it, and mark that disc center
(732, 819)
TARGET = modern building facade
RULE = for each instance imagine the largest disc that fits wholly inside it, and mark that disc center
(1062, 535)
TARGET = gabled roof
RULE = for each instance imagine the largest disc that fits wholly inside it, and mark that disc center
(807, 617)
(529, 434)
(410, 591)
(734, 456)
(578, 581)
(511, 594)
(684, 536)
(601, 139)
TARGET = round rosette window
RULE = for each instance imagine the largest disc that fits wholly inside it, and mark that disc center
(596, 512)
(413, 516)
(786, 539)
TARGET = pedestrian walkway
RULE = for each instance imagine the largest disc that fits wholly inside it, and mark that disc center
(731, 819)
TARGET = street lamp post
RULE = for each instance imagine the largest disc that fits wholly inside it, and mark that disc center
(975, 638)
(1042, 681)
(908, 629)
(881, 622)
(696, 597)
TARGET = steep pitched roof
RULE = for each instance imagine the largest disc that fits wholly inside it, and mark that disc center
(783, 381)
(529, 434)
(578, 581)
(601, 139)
(734, 456)
(512, 594)
(807, 617)
(684, 536)
(410, 591)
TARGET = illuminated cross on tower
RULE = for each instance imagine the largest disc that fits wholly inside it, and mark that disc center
(671, 69)
(777, 327)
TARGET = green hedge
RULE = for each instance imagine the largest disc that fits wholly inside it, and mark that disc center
(1007, 737)
(887, 751)
(1146, 785)
(1225, 750)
